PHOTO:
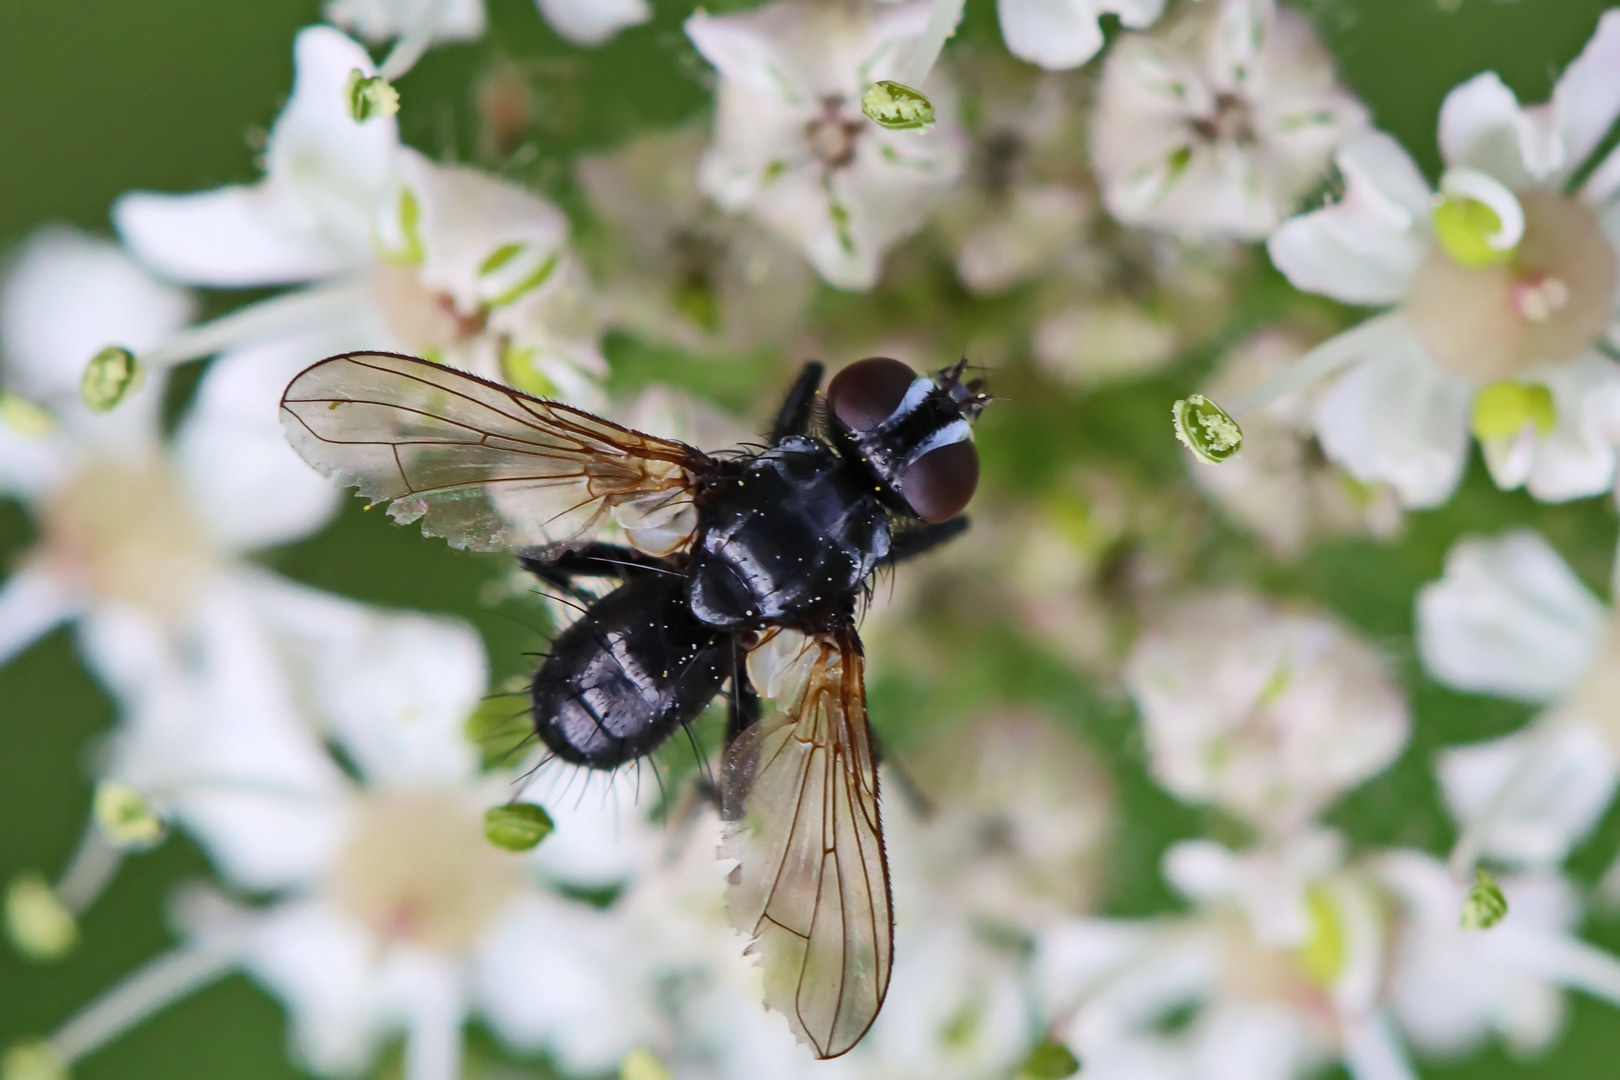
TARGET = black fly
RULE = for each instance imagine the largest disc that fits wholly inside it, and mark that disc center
(745, 569)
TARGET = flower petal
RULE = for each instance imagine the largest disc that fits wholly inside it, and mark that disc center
(1055, 34)
(592, 22)
(1482, 127)
(229, 237)
(395, 687)
(67, 295)
(310, 217)
(1586, 101)
(323, 965)
(32, 602)
(1364, 248)
(742, 50)
(1508, 617)
(1538, 810)
(1396, 417)
(249, 487)
(557, 975)
(384, 20)
(1577, 458)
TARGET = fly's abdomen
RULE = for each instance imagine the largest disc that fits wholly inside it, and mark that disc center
(627, 674)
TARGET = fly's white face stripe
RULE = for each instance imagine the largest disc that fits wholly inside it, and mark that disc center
(916, 393)
(954, 432)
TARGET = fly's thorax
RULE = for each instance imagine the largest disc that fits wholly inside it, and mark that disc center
(784, 534)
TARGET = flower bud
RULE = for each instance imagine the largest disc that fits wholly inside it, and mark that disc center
(640, 1064)
(1206, 429)
(370, 96)
(38, 923)
(126, 819)
(1050, 1060)
(24, 417)
(518, 827)
(1485, 906)
(111, 375)
(35, 1059)
(897, 107)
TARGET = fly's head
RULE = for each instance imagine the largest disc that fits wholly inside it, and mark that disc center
(912, 432)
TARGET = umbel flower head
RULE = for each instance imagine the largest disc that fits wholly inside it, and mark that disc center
(398, 251)
(791, 145)
(384, 909)
(1501, 285)
(1213, 123)
(1269, 714)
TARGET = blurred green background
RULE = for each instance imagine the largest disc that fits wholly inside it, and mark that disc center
(101, 96)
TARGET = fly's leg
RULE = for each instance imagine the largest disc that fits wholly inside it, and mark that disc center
(910, 543)
(742, 713)
(561, 568)
(910, 790)
(794, 416)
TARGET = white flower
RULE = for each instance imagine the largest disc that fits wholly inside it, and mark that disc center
(1509, 618)
(139, 541)
(681, 270)
(403, 253)
(1058, 34)
(1279, 964)
(1497, 328)
(1450, 988)
(1268, 714)
(1280, 487)
(387, 911)
(1214, 123)
(791, 146)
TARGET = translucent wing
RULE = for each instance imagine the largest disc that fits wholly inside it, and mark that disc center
(812, 885)
(483, 465)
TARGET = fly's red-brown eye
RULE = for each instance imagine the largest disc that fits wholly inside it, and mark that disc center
(865, 393)
(939, 484)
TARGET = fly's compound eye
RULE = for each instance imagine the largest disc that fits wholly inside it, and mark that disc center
(939, 484)
(867, 392)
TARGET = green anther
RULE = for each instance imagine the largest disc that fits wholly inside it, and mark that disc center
(1050, 1060)
(24, 417)
(1322, 956)
(1501, 410)
(897, 107)
(518, 827)
(1485, 905)
(126, 818)
(38, 923)
(370, 96)
(35, 1059)
(1206, 429)
(642, 1065)
(1464, 227)
(109, 378)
